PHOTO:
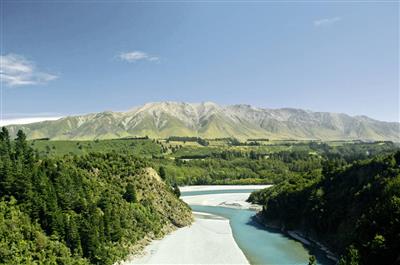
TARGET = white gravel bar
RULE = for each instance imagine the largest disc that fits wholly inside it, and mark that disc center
(208, 240)
(222, 187)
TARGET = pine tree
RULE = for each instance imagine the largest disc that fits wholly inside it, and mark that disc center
(130, 193)
(177, 190)
(352, 257)
(163, 174)
(5, 139)
(20, 143)
(312, 260)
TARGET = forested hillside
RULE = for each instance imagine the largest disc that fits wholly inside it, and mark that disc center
(89, 209)
(354, 208)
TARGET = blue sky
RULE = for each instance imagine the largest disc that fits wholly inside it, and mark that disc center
(71, 58)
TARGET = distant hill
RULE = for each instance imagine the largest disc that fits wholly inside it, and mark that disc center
(209, 120)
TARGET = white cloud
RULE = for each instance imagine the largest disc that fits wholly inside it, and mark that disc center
(135, 56)
(26, 120)
(15, 70)
(326, 21)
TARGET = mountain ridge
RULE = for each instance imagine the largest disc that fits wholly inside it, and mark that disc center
(210, 120)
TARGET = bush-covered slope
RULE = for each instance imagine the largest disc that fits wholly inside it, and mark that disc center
(90, 209)
(355, 209)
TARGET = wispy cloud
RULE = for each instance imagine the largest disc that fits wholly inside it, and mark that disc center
(326, 21)
(16, 70)
(135, 56)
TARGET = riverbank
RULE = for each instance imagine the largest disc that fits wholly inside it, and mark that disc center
(230, 200)
(297, 235)
(306, 240)
(224, 232)
(208, 240)
(222, 187)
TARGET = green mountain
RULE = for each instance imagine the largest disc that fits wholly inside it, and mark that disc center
(209, 120)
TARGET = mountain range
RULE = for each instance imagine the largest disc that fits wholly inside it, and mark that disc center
(209, 120)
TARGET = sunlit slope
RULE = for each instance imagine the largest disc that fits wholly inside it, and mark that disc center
(209, 120)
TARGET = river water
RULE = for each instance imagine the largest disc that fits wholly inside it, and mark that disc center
(259, 244)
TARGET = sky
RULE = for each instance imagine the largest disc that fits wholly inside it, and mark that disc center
(63, 58)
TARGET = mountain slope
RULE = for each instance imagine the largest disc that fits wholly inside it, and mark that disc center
(210, 120)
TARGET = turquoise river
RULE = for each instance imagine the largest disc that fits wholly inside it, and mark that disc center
(259, 244)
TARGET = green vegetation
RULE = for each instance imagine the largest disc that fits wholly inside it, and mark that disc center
(87, 209)
(198, 140)
(352, 207)
(225, 160)
(138, 147)
(312, 260)
(91, 202)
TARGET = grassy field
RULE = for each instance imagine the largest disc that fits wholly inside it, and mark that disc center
(177, 149)
(139, 147)
(149, 148)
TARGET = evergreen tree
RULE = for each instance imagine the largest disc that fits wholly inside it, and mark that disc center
(5, 140)
(352, 257)
(177, 191)
(312, 260)
(130, 193)
(163, 174)
(20, 143)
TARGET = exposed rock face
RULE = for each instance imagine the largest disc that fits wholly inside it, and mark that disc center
(163, 201)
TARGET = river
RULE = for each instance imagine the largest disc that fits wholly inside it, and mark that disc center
(259, 244)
